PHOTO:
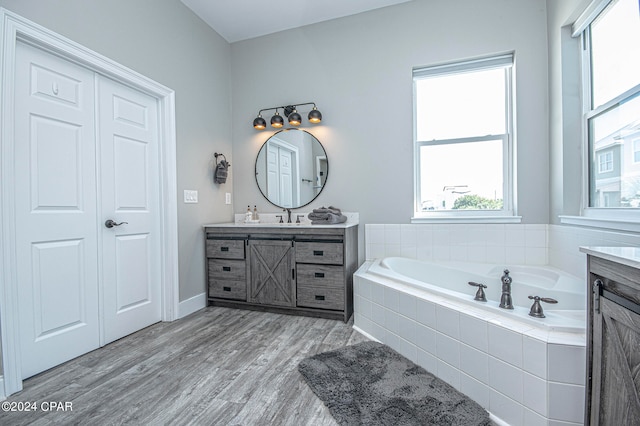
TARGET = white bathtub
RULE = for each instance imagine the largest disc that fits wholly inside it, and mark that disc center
(523, 370)
(450, 279)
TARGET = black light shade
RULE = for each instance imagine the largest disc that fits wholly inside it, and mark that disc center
(294, 118)
(277, 121)
(315, 116)
(259, 123)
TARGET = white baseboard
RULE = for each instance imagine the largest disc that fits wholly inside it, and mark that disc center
(191, 305)
(365, 334)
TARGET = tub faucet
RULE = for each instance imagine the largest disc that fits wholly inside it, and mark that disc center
(505, 300)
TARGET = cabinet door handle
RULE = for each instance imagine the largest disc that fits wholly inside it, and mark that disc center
(318, 253)
(224, 248)
(319, 297)
(597, 287)
(226, 288)
(226, 268)
(319, 274)
(293, 274)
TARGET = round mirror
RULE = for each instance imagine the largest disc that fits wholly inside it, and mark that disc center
(291, 168)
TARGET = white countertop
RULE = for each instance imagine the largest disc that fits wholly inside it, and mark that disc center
(278, 225)
(629, 256)
(272, 220)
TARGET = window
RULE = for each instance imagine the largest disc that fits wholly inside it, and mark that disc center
(611, 67)
(605, 162)
(463, 143)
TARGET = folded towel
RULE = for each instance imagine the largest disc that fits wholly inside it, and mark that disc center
(328, 219)
(326, 216)
(329, 209)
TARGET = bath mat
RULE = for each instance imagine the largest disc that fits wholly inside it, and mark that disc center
(371, 384)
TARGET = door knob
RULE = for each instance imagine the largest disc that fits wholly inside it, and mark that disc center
(110, 223)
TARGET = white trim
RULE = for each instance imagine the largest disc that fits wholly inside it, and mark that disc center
(467, 219)
(602, 223)
(590, 13)
(12, 29)
(2, 395)
(192, 304)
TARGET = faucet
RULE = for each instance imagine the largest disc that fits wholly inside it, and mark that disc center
(288, 214)
(505, 299)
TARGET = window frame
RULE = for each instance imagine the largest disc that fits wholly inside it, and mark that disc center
(507, 213)
(604, 217)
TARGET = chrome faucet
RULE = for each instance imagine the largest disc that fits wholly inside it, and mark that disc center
(505, 300)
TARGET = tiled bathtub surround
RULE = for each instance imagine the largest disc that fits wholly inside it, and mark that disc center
(521, 374)
(503, 244)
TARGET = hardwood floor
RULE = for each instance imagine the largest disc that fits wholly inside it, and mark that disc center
(218, 366)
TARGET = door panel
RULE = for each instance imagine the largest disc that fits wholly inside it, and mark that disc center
(54, 287)
(128, 146)
(133, 283)
(55, 208)
(271, 268)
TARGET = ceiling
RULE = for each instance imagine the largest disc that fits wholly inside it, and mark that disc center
(243, 19)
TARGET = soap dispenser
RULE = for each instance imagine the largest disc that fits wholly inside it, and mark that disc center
(256, 217)
(248, 215)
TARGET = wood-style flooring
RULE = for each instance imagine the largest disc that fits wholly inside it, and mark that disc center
(218, 366)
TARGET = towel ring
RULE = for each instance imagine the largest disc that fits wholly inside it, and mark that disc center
(215, 154)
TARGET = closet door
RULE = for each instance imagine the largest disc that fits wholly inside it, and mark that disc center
(55, 207)
(129, 157)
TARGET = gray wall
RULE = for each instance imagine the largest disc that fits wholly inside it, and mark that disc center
(565, 111)
(165, 41)
(358, 70)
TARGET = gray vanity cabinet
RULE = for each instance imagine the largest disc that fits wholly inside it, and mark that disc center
(613, 344)
(302, 270)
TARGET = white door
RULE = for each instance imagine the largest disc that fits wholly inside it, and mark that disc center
(128, 141)
(55, 207)
(86, 150)
(280, 179)
(286, 177)
(273, 174)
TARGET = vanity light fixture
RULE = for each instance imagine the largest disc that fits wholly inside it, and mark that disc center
(291, 112)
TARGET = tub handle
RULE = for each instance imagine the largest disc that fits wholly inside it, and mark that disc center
(480, 296)
(536, 308)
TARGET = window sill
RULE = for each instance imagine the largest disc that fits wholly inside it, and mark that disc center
(593, 222)
(467, 219)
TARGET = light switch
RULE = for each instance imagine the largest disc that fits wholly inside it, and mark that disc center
(190, 196)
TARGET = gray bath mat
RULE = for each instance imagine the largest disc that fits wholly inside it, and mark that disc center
(371, 384)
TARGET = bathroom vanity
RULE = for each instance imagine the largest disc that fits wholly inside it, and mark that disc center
(613, 336)
(286, 268)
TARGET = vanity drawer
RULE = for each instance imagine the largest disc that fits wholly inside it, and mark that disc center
(225, 249)
(311, 296)
(320, 276)
(234, 270)
(318, 252)
(225, 289)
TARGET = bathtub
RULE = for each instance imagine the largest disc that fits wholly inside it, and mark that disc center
(522, 369)
(450, 280)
